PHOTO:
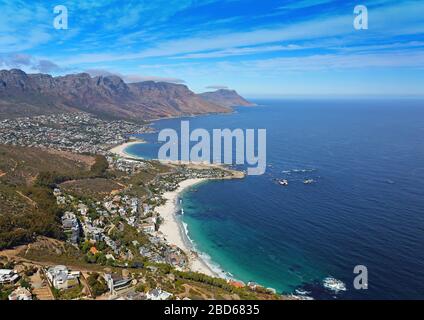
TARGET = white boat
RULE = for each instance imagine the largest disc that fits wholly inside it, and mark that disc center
(283, 182)
(309, 181)
(182, 211)
(334, 284)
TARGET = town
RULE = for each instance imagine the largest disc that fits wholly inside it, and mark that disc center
(112, 246)
(75, 132)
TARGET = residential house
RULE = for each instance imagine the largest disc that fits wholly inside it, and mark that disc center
(60, 200)
(134, 205)
(146, 208)
(20, 294)
(93, 233)
(158, 294)
(8, 276)
(148, 228)
(62, 278)
(116, 282)
(82, 209)
(71, 227)
(236, 284)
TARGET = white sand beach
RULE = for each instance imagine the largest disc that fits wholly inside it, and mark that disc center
(120, 150)
(172, 229)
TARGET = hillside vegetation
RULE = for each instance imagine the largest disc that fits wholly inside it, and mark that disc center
(27, 205)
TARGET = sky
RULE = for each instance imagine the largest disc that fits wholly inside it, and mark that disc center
(259, 48)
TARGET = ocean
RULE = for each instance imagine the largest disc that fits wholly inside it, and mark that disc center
(366, 206)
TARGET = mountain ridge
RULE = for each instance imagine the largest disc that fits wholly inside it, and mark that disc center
(108, 96)
(227, 98)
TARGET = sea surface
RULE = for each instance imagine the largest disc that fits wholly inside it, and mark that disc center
(366, 206)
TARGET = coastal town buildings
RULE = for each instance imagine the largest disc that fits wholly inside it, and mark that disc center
(76, 132)
(98, 227)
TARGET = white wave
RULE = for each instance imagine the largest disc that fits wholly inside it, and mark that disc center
(215, 267)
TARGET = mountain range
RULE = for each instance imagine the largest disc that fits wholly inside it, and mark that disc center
(109, 97)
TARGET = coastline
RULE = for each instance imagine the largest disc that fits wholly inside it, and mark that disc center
(173, 230)
(119, 150)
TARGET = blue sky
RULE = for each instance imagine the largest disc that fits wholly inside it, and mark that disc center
(260, 48)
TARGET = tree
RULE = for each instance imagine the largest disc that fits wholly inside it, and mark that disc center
(97, 284)
(86, 246)
(25, 284)
(98, 169)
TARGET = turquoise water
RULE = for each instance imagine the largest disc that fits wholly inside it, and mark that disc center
(366, 207)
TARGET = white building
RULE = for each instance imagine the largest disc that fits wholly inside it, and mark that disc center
(158, 294)
(82, 209)
(148, 228)
(134, 206)
(8, 276)
(61, 278)
(20, 294)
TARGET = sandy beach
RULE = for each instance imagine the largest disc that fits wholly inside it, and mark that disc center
(120, 150)
(172, 229)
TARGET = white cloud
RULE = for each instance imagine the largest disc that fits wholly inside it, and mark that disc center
(29, 63)
(405, 19)
(336, 62)
(132, 78)
(240, 51)
(217, 87)
(301, 4)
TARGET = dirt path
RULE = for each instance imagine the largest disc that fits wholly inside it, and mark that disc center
(83, 279)
(41, 287)
(187, 289)
(32, 202)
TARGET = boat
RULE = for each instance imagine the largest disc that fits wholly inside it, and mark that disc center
(308, 181)
(182, 211)
(283, 182)
(334, 285)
